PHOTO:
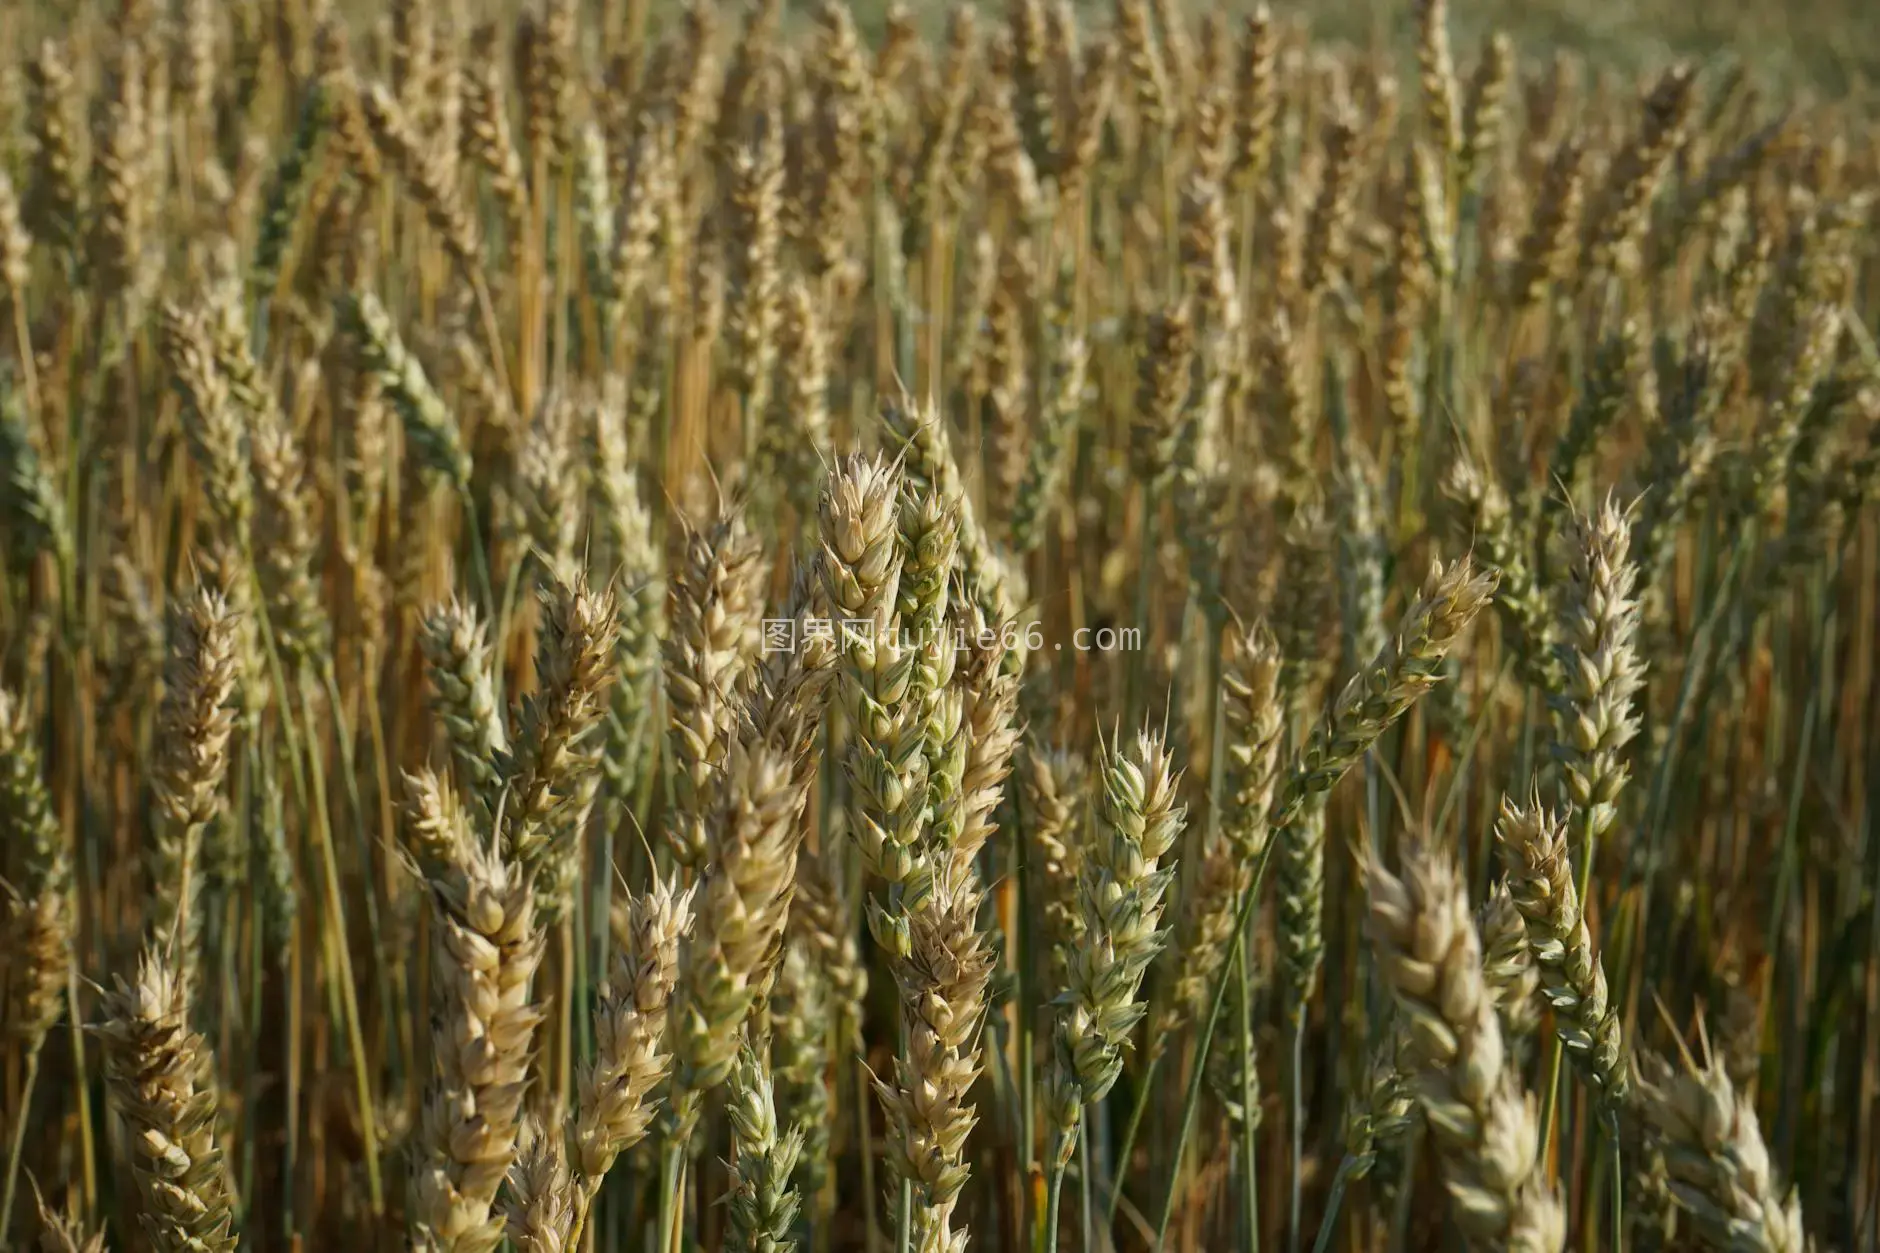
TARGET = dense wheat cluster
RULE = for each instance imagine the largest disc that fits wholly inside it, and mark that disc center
(644, 628)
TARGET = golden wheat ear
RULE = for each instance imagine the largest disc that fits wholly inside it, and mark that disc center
(1481, 1122)
(1716, 1159)
(159, 1074)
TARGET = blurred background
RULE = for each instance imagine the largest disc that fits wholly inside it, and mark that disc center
(1825, 47)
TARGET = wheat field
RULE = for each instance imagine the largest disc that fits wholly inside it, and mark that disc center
(661, 629)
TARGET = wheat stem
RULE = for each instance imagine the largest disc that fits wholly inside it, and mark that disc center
(17, 1142)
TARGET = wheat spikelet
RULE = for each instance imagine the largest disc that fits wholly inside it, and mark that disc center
(556, 756)
(429, 424)
(196, 66)
(340, 96)
(287, 541)
(1120, 898)
(755, 232)
(826, 926)
(158, 1073)
(1281, 391)
(842, 85)
(1533, 844)
(551, 485)
(63, 1232)
(1095, 91)
(216, 437)
(544, 63)
(1508, 964)
(1009, 166)
(646, 203)
(1048, 466)
(989, 717)
(539, 1204)
(762, 1206)
(715, 604)
(1204, 940)
(434, 822)
(928, 528)
(1220, 363)
(486, 139)
(942, 965)
(744, 900)
(1162, 390)
(1380, 693)
(862, 566)
(1033, 96)
(413, 51)
(1256, 97)
(488, 947)
(1716, 1159)
(38, 918)
(1520, 602)
(423, 169)
(1171, 29)
(1299, 904)
(1381, 1112)
(1482, 111)
(745, 92)
(287, 196)
(594, 210)
(784, 696)
(1599, 658)
(53, 206)
(1634, 176)
(1329, 223)
(1006, 377)
(30, 501)
(796, 432)
(1147, 71)
(458, 664)
(1441, 112)
(1602, 398)
(622, 517)
(916, 434)
(925, 189)
(618, 1089)
(196, 721)
(15, 244)
(1052, 785)
(1481, 1123)
(1362, 550)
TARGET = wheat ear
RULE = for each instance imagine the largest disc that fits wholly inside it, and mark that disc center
(617, 1093)
(1120, 893)
(1533, 843)
(762, 1207)
(942, 965)
(1717, 1161)
(488, 947)
(159, 1075)
(1481, 1123)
